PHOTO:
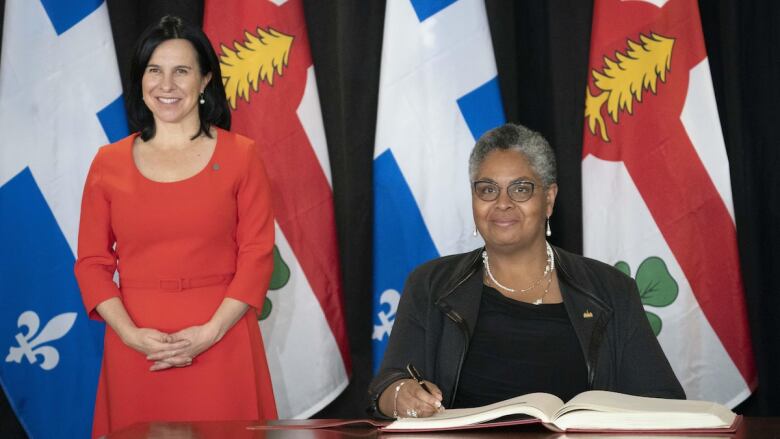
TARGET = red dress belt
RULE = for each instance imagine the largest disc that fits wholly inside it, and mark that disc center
(178, 284)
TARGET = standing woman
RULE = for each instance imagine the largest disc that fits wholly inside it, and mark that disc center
(182, 210)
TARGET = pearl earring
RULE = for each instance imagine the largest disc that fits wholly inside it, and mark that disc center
(549, 232)
(202, 99)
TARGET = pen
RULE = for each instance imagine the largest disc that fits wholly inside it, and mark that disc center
(417, 377)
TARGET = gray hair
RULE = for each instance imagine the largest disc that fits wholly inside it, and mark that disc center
(518, 138)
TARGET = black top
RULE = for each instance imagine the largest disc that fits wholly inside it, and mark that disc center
(520, 348)
(440, 306)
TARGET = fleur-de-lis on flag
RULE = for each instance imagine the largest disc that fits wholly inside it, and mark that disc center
(30, 343)
(391, 298)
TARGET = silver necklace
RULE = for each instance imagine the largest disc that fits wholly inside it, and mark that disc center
(548, 268)
(540, 300)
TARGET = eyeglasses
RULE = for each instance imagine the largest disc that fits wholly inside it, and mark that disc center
(518, 191)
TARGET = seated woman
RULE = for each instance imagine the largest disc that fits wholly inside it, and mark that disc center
(519, 315)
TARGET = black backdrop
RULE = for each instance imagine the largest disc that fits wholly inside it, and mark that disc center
(541, 49)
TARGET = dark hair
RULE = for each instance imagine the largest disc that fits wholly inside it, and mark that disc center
(214, 112)
(518, 138)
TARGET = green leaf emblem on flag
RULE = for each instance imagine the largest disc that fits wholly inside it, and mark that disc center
(279, 278)
(657, 287)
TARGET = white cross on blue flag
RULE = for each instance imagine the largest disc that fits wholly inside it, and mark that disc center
(438, 93)
(60, 99)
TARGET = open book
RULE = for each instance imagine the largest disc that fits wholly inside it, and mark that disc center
(594, 410)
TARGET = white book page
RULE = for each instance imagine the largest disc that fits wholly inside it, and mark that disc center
(600, 409)
(538, 405)
(595, 420)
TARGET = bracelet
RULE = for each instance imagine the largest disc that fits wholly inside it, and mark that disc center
(395, 399)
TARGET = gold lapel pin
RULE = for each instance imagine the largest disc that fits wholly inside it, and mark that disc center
(587, 314)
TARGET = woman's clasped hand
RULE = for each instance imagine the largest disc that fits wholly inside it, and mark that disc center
(159, 347)
(180, 348)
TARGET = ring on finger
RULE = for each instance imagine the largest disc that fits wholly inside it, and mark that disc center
(412, 413)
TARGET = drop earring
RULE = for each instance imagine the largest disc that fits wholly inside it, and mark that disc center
(548, 232)
(202, 99)
(474, 233)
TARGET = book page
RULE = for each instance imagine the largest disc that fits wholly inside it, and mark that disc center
(538, 405)
(601, 409)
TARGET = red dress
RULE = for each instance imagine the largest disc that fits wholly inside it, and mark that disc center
(180, 248)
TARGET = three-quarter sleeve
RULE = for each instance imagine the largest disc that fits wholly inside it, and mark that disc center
(96, 261)
(254, 235)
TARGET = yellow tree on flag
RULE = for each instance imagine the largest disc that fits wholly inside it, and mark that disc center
(656, 190)
(270, 84)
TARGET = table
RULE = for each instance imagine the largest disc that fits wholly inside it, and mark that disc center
(753, 428)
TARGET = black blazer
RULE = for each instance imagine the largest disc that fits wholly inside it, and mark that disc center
(439, 308)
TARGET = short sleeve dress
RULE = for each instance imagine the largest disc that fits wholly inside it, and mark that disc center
(180, 248)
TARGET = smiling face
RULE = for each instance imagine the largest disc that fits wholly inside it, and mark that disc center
(504, 223)
(172, 83)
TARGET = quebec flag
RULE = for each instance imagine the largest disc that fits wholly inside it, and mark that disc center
(438, 92)
(60, 99)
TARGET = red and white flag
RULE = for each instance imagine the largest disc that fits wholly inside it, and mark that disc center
(656, 190)
(269, 79)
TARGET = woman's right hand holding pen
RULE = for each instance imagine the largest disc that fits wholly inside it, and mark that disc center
(406, 398)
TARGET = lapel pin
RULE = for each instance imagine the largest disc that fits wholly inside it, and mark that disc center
(215, 167)
(587, 314)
